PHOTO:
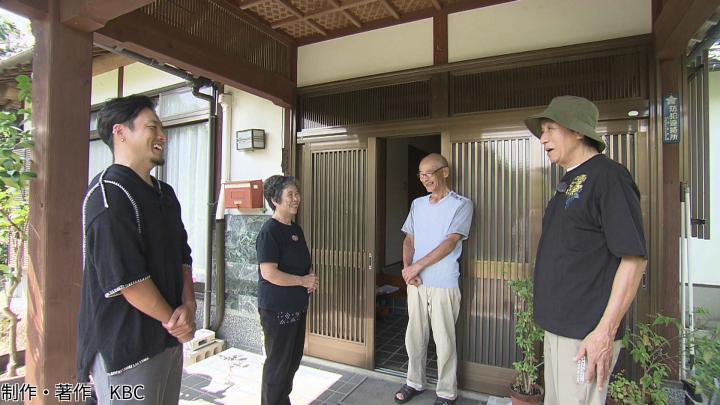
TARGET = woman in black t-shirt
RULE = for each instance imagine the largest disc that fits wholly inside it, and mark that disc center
(286, 279)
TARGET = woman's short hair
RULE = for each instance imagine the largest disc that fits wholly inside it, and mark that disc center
(274, 185)
(122, 110)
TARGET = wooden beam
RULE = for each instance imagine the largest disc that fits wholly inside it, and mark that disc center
(91, 15)
(322, 12)
(106, 63)
(8, 93)
(391, 9)
(32, 9)
(437, 5)
(260, 24)
(140, 33)
(250, 3)
(346, 13)
(678, 22)
(297, 13)
(440, 39)
(61, 112)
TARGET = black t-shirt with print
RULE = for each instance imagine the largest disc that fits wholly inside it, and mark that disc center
(286, 246)
(122, 249)
(592, 221)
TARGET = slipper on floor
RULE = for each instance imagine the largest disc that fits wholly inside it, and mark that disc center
(407, 392)
(443, 401)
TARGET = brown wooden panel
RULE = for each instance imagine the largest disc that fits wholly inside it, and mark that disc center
(377, 104)
(221, 27)
(608, 77)
(495, 175)
(338, 315)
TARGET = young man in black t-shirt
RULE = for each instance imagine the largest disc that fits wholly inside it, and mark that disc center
(590, 258)
(137, 305)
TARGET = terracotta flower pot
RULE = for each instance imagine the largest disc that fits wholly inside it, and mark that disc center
(522, 399)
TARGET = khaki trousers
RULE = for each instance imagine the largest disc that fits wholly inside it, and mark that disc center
(561, 386)
(438, 307)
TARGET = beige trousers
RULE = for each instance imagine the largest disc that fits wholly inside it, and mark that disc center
(561, 386)
(439, 308)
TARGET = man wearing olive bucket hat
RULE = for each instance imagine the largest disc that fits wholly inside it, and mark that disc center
(591, 254)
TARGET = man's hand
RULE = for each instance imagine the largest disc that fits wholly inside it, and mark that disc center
(415, 281)
(182, 323)
(598, 347)
(410, 272)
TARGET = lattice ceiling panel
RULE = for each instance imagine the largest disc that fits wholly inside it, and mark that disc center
(308, 6)
(408, 6)
(333, 21)
(330, 20)
(271, 11)
(370, 12)
(299, 30)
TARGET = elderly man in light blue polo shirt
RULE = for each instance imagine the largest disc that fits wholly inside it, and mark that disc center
(434, 230)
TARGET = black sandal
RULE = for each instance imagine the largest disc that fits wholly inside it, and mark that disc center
(443, 401)
(407, 392)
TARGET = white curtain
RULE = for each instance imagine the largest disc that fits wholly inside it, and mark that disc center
(187, 171)
(100, 158)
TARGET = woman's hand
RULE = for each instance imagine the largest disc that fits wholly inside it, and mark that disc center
(310, 282)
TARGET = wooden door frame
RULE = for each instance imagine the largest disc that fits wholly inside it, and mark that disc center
(355, 354)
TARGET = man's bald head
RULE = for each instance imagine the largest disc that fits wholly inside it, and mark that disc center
(435, 159)
(434, 172)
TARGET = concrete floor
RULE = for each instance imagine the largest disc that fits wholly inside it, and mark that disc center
(233, 377)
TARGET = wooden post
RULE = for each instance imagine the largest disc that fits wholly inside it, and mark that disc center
(670, 293)
(62, 66)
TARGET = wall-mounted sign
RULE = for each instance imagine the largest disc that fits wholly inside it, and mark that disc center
(671, 118)
(250, 139)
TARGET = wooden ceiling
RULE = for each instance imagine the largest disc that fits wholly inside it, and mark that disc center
(309, 21)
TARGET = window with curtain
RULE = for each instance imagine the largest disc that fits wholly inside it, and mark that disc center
(100, 158)
(187, 171)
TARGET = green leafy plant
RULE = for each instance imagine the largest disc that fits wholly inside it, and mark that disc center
(625, 391)
(15, 138)
(527, 334)
(650, 351)
(705, 362)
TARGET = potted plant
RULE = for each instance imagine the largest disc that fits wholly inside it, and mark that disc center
(703, 384)
(14, 209)
(649, 350)
(526, 390)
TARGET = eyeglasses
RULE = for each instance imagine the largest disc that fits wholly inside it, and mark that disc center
(422, 175)
(561, 187)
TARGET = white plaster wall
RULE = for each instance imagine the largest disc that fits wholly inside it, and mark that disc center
(139, 78)
(383, 50)
(524, 25)
(249, 112)
(705, 254)
(104, 87)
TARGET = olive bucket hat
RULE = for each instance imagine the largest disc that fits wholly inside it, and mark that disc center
(574, 113)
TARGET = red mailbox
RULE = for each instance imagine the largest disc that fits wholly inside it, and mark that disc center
(244, 194)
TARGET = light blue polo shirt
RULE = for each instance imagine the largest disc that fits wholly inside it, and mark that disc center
(430, 224)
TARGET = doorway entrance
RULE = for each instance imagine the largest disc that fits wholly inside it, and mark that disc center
(402, 186)
(356, 196)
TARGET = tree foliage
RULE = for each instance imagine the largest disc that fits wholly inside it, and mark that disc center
(527, 334)
(15, 141)
(13, 39)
